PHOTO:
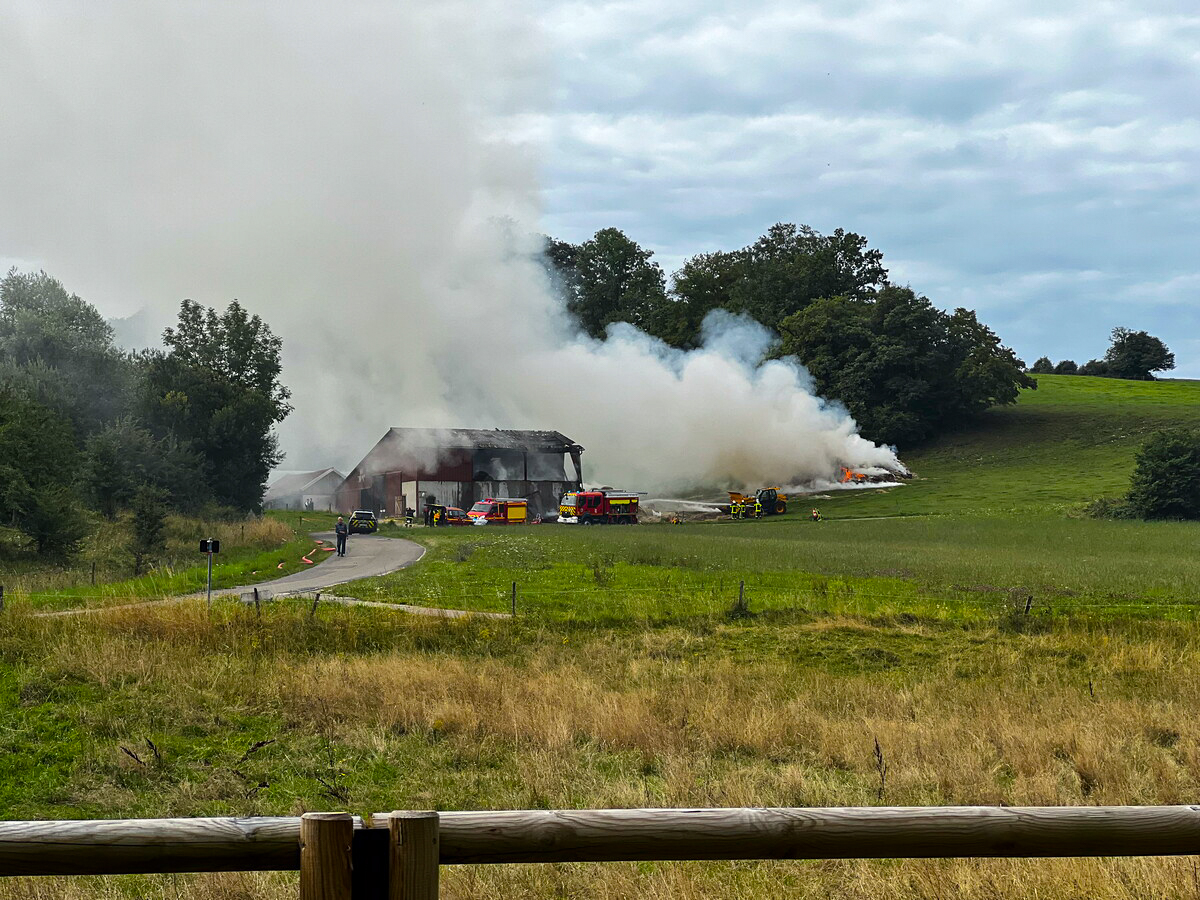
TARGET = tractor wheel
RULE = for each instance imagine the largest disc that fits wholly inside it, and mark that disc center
(780, 507)
(587, 520)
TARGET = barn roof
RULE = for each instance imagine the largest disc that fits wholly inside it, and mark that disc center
(483, 439)
(297, 482)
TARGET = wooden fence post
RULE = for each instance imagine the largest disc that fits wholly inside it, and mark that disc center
(325, 843)
(414, 855)
(514, 600)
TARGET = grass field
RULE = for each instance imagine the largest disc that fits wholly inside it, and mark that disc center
(1072, 440)
(1002, 651)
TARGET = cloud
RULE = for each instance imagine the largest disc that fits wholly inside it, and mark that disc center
(1042, 160)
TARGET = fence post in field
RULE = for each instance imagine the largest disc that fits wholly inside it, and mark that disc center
(514, 600)
(1, 597)
(325, 842)
(414, 855)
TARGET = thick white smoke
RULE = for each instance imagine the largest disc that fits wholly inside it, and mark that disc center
(332, 166)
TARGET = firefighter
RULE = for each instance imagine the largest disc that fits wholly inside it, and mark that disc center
(816, 515)
(757, 508)
(735, 509)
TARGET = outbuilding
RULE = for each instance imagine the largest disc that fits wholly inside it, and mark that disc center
(304, 490)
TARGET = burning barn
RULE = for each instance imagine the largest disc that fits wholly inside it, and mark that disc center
(412, 467)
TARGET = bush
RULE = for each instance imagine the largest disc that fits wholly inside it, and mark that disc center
(1066, 367)
(1110, 508)
(1166, 481)
(1043, 366)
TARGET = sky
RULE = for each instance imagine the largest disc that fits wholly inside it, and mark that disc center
(1035, 162)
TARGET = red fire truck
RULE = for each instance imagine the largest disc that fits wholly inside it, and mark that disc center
(500, 511)
(599, 507)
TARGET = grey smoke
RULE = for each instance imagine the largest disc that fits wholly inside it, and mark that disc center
(336, 168)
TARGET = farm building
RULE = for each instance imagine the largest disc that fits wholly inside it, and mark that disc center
(304, 490)
(412, 467)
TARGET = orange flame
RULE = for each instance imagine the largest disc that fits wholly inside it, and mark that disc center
(850, 475)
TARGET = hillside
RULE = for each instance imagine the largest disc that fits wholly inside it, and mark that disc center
(1072, 440)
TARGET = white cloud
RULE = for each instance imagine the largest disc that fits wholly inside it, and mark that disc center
(1039, 162)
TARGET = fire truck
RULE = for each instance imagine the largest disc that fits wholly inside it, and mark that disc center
(599, 507)
(500, 511)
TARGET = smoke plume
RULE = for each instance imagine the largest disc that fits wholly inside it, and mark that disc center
(337, 168)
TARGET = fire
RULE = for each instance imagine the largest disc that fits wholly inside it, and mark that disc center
(849, 475)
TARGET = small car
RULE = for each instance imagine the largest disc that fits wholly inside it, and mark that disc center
(456, 516)
(363, 521)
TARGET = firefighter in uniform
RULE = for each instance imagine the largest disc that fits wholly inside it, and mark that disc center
(816, 515)
(757, 508)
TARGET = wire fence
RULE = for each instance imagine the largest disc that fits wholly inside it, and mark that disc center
(731, 596)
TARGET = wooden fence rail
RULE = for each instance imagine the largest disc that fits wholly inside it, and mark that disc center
(397, 855)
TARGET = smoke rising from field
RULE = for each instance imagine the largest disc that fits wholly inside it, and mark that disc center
(335, 167)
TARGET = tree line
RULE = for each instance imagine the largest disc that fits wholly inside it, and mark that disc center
(86, 425)
(1131, 354)
(905, 369)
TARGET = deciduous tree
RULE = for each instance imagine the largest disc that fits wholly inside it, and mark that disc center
(1136, 354)
(217, 389)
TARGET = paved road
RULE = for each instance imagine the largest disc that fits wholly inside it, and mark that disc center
(367, 555)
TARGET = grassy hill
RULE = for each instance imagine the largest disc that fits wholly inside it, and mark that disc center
(1072, 440)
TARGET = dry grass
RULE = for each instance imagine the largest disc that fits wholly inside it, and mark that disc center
(401, 712)
(106, 549)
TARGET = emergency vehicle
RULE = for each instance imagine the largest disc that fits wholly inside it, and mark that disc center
(599, 507)
(500, 511)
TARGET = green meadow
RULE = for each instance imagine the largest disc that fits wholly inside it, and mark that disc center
(994, 644)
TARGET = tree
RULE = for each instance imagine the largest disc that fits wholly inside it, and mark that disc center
(792, 265)
(1136, 354)
(60, 350)
(37, 452)
(1166, 479)
(704, 283)
(1043, 366)
(1066, 367)
(903, 368)
(149, 525)
(1096, 367)
(53, 520)
(608, 279)
(124, 456)
(217, 390)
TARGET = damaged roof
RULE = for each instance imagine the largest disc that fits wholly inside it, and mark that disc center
(483, 439)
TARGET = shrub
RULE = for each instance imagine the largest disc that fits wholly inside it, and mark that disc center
(1166, 481)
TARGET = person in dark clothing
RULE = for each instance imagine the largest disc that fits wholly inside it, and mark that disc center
(340, 531)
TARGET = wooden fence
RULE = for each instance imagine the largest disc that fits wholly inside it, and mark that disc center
(398, 855)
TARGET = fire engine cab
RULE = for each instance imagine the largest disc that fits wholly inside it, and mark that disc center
(500, 511)
(599, 507)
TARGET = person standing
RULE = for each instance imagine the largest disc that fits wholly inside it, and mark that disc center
(339, 532)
